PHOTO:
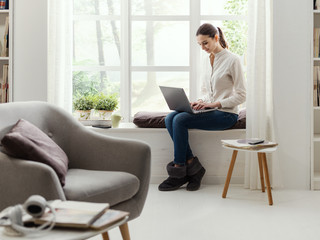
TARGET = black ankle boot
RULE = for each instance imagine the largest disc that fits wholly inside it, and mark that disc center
(195, 173)
(177, 177)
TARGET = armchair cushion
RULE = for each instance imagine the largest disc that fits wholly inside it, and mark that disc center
(26, 141)
(100, 186)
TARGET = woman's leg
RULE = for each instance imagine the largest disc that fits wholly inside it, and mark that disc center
(169, 120)
(215, 120)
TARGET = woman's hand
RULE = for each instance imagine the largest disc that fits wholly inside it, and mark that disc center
(203, 105)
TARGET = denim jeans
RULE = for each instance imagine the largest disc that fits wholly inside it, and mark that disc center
(178, 123)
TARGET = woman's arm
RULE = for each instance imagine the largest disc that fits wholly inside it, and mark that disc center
(239, 95)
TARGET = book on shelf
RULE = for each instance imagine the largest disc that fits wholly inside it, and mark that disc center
(244, 144)
(74, 213)
(2, 4)
(7, 4)
(5, 46)
(316, 39)
(316, 86)
(4, 84)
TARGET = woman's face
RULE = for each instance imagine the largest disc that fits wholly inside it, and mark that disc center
(207, 43)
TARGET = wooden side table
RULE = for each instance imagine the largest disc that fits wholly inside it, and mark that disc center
(263, 169)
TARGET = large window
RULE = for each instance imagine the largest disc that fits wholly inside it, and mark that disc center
(130, 47)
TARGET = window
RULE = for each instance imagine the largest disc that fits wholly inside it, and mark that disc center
(129, 47)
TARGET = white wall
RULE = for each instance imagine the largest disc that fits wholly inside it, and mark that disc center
(30, 50)
(291, 77)
(291, 71)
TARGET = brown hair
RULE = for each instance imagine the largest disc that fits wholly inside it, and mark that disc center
(209, 30)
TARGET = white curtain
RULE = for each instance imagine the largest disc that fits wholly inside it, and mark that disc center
(259, 102)
(60, 53)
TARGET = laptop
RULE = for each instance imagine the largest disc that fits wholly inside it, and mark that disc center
(177, 99)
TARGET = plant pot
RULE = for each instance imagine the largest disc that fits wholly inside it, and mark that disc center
(105, 115)
(83, 115)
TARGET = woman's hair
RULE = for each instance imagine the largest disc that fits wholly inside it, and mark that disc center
(209, 30)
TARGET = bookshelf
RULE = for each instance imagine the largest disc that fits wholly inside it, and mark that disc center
(6, 53)
(315, 102)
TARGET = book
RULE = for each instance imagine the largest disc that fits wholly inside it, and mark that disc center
(4, 84)
(110, 217)
(2, 4)
(4, 52)
(244, 144)
(74, 213)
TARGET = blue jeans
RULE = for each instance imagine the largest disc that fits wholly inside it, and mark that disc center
(178, 123)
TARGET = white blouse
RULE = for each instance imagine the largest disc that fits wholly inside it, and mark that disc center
(226, 83)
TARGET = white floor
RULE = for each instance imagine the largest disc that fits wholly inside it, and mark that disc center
(244, 214)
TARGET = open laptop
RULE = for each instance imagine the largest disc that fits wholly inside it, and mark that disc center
(177, 100)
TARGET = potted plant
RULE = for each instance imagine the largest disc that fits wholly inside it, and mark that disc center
(105, 105)
(83, 105)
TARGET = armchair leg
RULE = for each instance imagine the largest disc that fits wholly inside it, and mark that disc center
(124, 229)
(105, 236)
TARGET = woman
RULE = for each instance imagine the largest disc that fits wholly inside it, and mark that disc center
(224, 90)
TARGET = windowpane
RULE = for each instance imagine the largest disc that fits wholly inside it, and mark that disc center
(160, 43)
(97, 43)
(160, 7)
(146, 94)
(224, 7)
(95, 82)
(97, 7)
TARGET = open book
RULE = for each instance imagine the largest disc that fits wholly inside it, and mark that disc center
(74, 214)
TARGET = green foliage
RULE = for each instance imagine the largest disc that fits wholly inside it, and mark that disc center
(105, 102)
(85, 83)
(236, 31)
(84, 102)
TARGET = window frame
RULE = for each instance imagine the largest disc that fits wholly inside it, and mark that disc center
(126, 69)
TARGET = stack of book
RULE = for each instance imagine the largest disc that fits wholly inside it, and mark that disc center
(76, 214)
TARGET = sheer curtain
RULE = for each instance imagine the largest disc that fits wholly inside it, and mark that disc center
(259, 102)
(60, 53)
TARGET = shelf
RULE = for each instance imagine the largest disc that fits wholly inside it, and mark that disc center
(316, 108)
(4, 11)
(316, 11)
(316, 59)
(4, 58)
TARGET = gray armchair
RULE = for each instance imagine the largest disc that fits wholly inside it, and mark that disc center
(101, 168)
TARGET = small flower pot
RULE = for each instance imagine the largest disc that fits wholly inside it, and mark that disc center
(83, 115)
(105, 115)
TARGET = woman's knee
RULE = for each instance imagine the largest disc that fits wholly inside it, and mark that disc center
(181, 119)
(169, 118)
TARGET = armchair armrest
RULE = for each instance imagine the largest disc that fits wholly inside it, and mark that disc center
(94, 151)
(19, 179)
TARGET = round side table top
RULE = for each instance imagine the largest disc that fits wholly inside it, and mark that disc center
(241, 145)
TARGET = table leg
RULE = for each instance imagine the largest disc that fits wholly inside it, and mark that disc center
(265, 166)
(124, 229)
(105, 236)
(261, 171)
(226, 185)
